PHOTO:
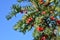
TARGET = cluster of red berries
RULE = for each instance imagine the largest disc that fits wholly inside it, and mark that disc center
(40, 29)
(57, 21)
(29, 20)
(52, 17)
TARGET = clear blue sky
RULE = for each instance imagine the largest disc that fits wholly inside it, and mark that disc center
(6, 27)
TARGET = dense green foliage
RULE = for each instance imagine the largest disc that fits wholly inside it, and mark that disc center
(42, 16)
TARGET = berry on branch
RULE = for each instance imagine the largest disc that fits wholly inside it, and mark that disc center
(43, 38)
(43, 12)
(58, 22)
(52, 17)
(40, 28)
(41, 1)
(29, 20)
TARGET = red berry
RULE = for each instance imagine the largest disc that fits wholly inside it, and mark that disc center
(43, 38)
(30, 19)
(40, 28)
(41, 1)
(43, 12)
(52, 17)
(58, 22)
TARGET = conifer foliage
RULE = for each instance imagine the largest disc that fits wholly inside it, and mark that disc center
(42, 16)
